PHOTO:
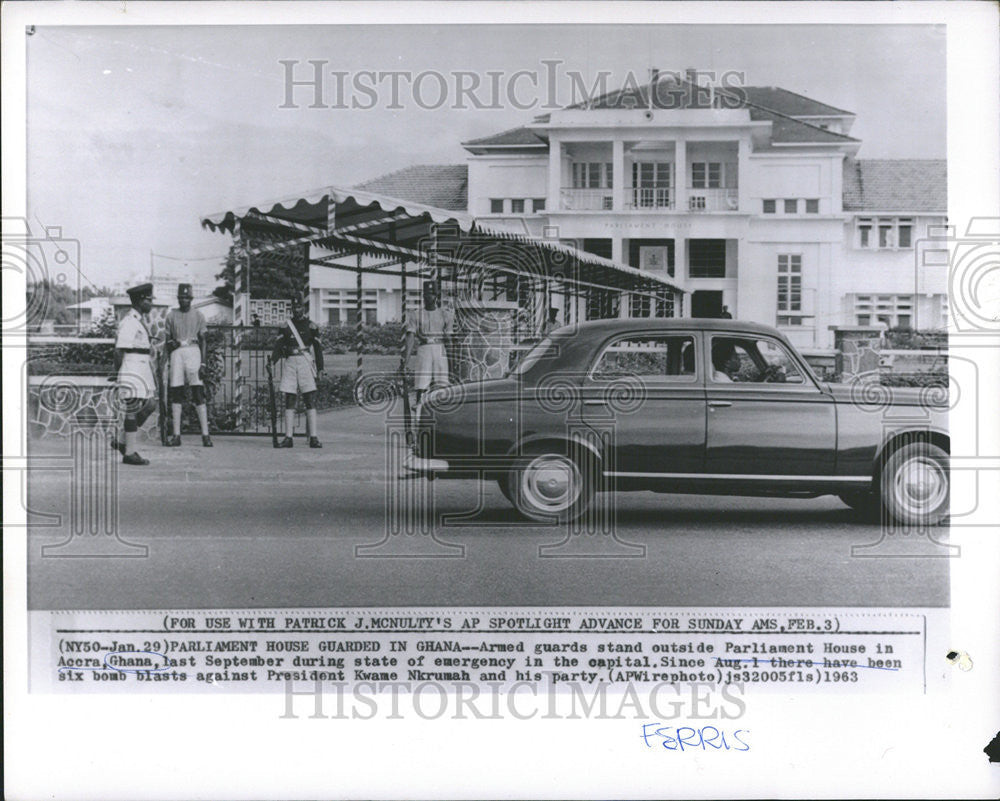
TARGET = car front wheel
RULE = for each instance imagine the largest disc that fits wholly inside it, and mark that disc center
(915, 484)
(550, 486)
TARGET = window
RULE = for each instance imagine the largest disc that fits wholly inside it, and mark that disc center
(538, 204)
(333, 316)
(769, 206)
(651, 182)
(602, 304)
(517, 206)
(664, 303)
(706, 258)
(592, 175)
(496, 205)
(791, 206)
(706, 175)
(904, 232)
(812, 205)
(884, 233)
(639, 306)
(670, 358)
(789, 282)
(738, 360)
(895, 311)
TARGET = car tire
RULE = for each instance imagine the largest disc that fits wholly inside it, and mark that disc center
(915, 484)
(865, 503)
(551, 486)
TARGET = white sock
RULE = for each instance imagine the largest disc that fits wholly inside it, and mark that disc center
(202, 411)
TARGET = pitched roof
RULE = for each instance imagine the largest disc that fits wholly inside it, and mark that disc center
(896, 185)
(791, 103)
(445, 186)
(772, 104)
(512, 136)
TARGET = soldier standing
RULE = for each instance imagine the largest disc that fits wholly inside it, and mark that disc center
(135, 372)
(302, 352)
(186, 344)
(427, 330)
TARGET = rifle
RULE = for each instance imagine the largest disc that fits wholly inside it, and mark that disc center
(404, 388)
(162, 374)
(273, 404)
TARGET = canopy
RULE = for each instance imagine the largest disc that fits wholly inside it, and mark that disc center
(350, 220)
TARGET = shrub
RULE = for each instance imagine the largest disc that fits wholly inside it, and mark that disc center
(385, 338)
(914, 379)
(910, 339)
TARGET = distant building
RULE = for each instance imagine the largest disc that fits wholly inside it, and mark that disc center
(90, 311)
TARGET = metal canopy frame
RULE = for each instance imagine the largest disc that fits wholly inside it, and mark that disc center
(441, 244)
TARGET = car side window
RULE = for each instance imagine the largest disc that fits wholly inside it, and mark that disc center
(667, 357)
(752, 360)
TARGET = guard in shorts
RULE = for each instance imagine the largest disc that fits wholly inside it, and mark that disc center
(428, 330)
(135, 372)
(302, 352)
(186, 343)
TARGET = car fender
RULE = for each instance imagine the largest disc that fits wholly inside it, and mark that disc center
(529, 443)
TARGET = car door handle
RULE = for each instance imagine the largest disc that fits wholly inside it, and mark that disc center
(719, 404)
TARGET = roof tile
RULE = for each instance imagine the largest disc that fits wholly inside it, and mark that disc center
(445, 186)
(896, 185)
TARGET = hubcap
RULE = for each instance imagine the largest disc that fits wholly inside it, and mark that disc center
(551, 483)
(920, 485)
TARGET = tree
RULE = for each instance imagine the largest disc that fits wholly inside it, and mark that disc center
(272, 275)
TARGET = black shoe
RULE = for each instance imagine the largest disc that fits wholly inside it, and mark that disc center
(118, 446)
(174, 441)
(286, 443)
(134, 458)
(315, 443)
(206, 441)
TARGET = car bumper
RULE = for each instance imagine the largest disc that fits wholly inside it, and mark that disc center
(423, 466)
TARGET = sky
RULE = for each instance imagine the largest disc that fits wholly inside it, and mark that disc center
(136, 132)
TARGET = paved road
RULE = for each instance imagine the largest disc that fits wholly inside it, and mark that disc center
(292, 542)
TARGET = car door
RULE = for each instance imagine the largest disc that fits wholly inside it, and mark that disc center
(644, 395)
(766, 415)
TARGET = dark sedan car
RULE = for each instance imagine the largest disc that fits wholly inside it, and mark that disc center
(686, 406)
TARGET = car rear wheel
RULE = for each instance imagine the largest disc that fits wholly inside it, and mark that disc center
(550, 486)
(915, 484)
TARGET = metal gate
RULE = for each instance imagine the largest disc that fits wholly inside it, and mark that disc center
(237, 379)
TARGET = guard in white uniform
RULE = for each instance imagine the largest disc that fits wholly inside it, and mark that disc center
(187, 343)
(134, 371)
(301, 354)
(428, 330)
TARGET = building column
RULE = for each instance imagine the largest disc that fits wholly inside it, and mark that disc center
(680, 175)
(555, 174)
(680, 261)
(618, 177)
(616, 249)
(743, 182)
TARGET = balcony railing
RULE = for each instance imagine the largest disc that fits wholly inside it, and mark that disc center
(645, 197)
(649, 199)
(713, 199)
(587, 199)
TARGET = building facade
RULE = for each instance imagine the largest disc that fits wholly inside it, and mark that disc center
(752, 200)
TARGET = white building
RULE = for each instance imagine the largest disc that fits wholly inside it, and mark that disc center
(91, 311)
(751, 199)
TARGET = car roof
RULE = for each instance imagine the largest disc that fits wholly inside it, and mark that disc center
(618, 325)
